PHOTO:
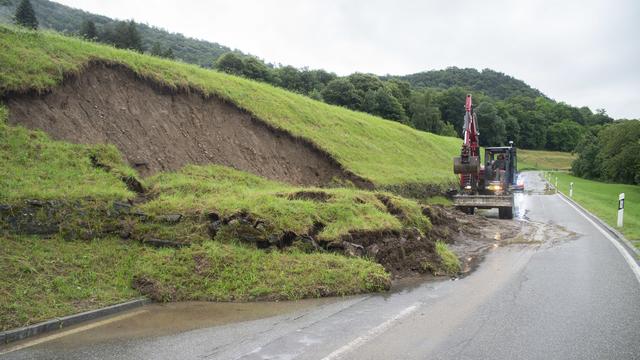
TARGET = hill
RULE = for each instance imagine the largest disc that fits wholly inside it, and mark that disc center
(385, 153)
(68, 20)
(137, 183)
(490, 82)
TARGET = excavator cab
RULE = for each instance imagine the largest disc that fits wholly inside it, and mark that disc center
(500, 170)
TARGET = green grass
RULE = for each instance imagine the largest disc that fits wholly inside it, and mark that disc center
(382, 151)
(450, 262)
(45, 278)
(42, 278)
(36, 167)
(221, 272)
(197, 190)
(602, 200)
(544, 160)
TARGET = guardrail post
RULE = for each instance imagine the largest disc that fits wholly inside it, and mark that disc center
(571, 189)
(620, 209)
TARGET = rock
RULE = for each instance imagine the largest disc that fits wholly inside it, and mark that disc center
(133, 184)
(214, 227)
(352, 249)
(163, 243)
(38, 203)
(171, 219)
(121, 207)
(372, 251)
(213, 217)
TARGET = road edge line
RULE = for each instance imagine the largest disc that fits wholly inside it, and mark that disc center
(617, 242)
(22, 333)
(371, 334)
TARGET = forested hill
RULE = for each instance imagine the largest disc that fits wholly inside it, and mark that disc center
(68, 20)
(490, 82)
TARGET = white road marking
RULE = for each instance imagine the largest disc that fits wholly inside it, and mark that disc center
(356, 343)
(625, 254)
(69, 332)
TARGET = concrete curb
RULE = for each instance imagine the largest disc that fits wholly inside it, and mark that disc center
(615, 233)
(58, 323)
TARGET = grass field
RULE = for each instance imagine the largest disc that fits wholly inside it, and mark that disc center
(602, 200)
(382, 151)
(544, 160)
(41, 279)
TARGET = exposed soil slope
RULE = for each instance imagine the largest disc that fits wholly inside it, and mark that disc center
(389, 154)
(158, 130)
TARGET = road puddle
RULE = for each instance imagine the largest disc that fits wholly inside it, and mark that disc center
(166, 319)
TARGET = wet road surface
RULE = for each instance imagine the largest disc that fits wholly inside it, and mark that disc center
(566, 293)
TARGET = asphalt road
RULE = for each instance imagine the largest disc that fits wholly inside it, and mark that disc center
(567, 293)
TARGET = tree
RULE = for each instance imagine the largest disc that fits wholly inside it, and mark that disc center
(425, 115)
(88, 30)
(156, 49)
(25, 15)
(254, 68)
(491, 126)
(612, 154)
(401, 90)
(512, 129)
(382, 103)
(451, 105)
(564, 135)
(585, 165)
(123, 35)
(619, 151)
(230, 63)
(341, 92)
(289, 78)
(364, 83)
(168, 53)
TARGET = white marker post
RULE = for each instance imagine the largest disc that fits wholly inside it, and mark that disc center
(556, 182)
(620, 209)
(571, 189)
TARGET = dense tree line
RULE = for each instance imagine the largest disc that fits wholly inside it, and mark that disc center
(533, 122)
(610, 153)
(490, 82)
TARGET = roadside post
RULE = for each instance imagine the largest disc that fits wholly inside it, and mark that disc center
(571, 189)
(556, 183)
(620, 209)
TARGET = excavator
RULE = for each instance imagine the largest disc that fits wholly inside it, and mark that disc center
(485, 185)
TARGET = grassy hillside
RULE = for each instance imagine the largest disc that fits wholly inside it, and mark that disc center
(66, 273)
(80, 268)
(602, 200)
(382, 151)
(544, 160)
(55, 16)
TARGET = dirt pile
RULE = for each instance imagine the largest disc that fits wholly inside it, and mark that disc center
(160, 129)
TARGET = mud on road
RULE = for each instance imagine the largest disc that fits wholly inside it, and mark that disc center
(471, 237)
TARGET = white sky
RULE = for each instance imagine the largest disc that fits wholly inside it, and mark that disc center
(580, 52)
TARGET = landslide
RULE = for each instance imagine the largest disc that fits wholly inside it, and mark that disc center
(390, 155)
(159, 129)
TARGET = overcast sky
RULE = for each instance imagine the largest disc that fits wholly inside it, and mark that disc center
(581, 52)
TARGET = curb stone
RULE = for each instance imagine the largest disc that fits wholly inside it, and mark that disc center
(66, 321)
